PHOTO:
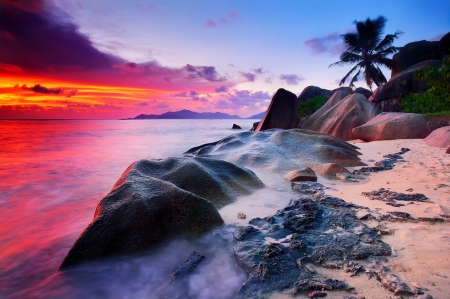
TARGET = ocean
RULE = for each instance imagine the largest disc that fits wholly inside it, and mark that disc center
(53, 174)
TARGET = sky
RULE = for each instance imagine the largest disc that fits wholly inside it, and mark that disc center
(110, 59)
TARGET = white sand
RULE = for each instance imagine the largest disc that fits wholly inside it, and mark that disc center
(423, 249)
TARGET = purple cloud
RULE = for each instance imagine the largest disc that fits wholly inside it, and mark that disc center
(240, 98)
(210, 24)
(269, 80)
(249, 76)
(258, 70)
(331, 43)
(221, 89)
(208, 73)
(291, 79)
(130, 67)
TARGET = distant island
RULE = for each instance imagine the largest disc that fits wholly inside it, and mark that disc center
(188, 114)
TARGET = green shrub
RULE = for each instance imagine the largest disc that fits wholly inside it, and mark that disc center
(310, 106)
(437, 97)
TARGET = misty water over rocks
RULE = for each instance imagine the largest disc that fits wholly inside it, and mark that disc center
(54, 173)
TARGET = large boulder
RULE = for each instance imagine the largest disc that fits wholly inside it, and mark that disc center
(367, 93)
(439, 137)
(419, 51)
(154, 200)
(387, 96)
(345, 89)
(281, 150)
(444, 46)
(282, 112)
(395, 125)
(313, 91)
(414, 53)
(339, 117)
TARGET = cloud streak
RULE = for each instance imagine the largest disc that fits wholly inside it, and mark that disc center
(331, 44)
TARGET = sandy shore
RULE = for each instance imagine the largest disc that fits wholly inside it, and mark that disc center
(422, 249)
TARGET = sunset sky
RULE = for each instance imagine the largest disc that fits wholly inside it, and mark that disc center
(117, 59)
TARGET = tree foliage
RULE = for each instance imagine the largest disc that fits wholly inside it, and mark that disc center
(368, 50)
(308, 107)
(437, 97)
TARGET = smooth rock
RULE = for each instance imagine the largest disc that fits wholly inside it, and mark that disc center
(254, 126)
(394, 125)
(367, 93)
(313, 91)
(235, 126)
(306, 174)
(329, 170)
(439, 137)
(282, 112)
(387, 96)
(338, 117)
(155, 200)
(281, 150)
(414, 53)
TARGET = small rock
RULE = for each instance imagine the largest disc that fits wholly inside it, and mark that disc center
(235, 126)
(242, 216)
(410, 190)
(317, 294)
(310, 269)
(424, 296)
(306, 174)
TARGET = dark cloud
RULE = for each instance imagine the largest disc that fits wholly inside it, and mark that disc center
(130, 67)
(291, 79)
(211, 24)
(221, 89)
(249, 76)
(42, 89)
(71, 93)
(331, 44)
(208, 73)
(46, 39)
(78, 105)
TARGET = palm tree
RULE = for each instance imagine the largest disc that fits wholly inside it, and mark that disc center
(368, 50)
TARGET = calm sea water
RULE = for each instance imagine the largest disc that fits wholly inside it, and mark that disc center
(53, 173)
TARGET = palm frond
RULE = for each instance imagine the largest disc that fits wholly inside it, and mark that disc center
(388, 40)
(350, 57)
(355, 78)
(348, 74)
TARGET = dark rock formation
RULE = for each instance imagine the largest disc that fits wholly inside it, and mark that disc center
(386, 97)
(385, 164)
(367, 93)
(414, 53)
(314, 230)
(281, 150)
(235, 126)
(178, 281)
(390, 281)
(448, 151)
(439, 137)
(282, 112)
(339, 117)
(444, 46)
(306, 174)
(313, 91)
(391, 196)
(254, 126)
(154, 200)
(394, 125)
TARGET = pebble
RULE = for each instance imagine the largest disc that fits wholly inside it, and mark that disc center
(242, 216)
(317, 294)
